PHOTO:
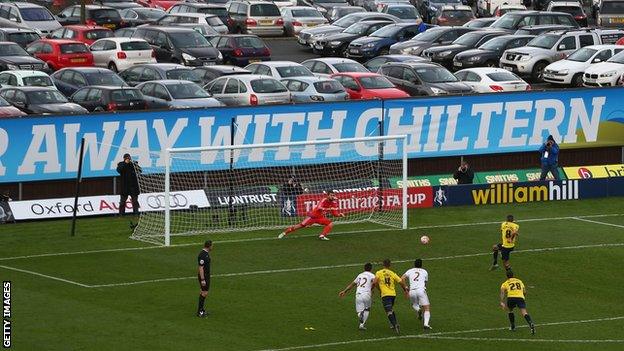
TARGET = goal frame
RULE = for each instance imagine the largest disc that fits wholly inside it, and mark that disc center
(169, 151)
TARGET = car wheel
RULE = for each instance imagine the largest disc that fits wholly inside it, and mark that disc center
(577, 80)
(538, 71)
(113, 67)
(490, 63)
(98, 109)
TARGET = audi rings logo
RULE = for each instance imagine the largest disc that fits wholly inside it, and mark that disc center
(176, 200)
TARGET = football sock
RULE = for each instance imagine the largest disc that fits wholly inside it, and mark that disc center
(512, 319)
(202, 299)
(426, 316)
(326, 230)
(288, 230)
(364, 316)
(528, 319)
(495, 256)
(392, 319)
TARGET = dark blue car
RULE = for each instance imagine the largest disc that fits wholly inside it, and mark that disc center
(68, 80)
(378, 43)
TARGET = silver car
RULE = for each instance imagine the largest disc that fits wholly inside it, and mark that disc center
(174, 94)
(315, 89)
(297, 18)
(326, 66)
(248, 90)
(279, 69)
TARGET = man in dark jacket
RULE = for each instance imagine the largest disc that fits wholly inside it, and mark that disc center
(464, 174)
(550, 158)
(128, 171)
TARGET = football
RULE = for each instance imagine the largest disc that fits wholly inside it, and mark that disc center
(424, 240)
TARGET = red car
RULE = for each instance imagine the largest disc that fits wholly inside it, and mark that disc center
(83, 33)
(158, 4)
(363, 86)
(61, 53)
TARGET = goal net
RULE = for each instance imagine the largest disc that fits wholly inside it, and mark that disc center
(271, 186)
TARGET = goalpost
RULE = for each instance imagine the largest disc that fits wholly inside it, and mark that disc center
(236, 188)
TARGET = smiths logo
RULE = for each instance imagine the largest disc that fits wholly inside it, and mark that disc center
(510, 193)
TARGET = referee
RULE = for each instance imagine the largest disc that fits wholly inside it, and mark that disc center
(203, 275)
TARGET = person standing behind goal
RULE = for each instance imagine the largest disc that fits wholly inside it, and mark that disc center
(416, 278)
(203, 275)
(363, 293)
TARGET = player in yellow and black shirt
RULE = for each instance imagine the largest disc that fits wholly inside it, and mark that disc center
(385, 280)
(509, 234)
(514, 291)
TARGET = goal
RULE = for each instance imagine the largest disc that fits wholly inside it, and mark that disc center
(237, 188)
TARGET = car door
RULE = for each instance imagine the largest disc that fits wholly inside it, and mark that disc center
(162, 49)
(412, 83)
(160, 96)
(99, 54)
(230, 93)
(566, 46)
(63, 82)
(80, 96)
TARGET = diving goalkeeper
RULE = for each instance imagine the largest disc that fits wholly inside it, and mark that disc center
(317, 216)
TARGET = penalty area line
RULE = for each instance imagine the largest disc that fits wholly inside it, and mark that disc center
(45, 276)
(597, 222)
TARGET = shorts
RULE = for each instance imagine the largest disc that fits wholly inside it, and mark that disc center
(513, 302)
(505, 251)
(419, 297)
(204, 288)
(315, 220)
(388, 303)
(362, 302)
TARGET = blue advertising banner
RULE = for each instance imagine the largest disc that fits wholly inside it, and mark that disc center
(41, 148)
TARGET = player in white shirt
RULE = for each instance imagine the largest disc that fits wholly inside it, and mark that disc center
(417, 279)
(363, 293)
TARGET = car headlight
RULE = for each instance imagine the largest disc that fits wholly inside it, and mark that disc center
(335, 43)
(607, 74)
(438, 91)
(564, 71)
(220, 56)
(473, 58)
(188, 57)
(12, 67)
(319, 36)
(45, 66)
(445, 53)
(525, 58)
(369, 45)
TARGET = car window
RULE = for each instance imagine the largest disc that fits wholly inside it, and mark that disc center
(147, 89)
(547, 19)
(160, 92)
(602, 56)
(566, 20)
(449, 36)
(98, 46)
(586, 40)
(461, 75)
(80, 95)
(66, 76)
(568, 43)
(34, 48)
(242, 88)
(321, 67)
(409, 75)
(20, 96)
(8, 95)
(94, 95)
(131, 73)
(46, 49)
(263, 70)
(78, 79)
(472, 77)
(217, 87)
(395, 72)
(110, 45)
(348, 82)
(231, 87)
(4, 78)
(149, 74)
(57, 34)
(267, 85)
(69, 34)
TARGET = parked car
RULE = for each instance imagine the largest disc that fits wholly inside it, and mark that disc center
(25, 14)
(141, 15)
(453, 16)
(21, 78)
(403, 11)
(487, 8)
(14, 57)
(423, 79)
(325, 67)
(569, 71)
(433, 37)
(480, 22)
(179, 45)
(209, 73)
(366, 86)
(68, 80)
(297, 18)
(338, 44)
(241, 49)
(262, 18)
(505, 8)
(194, 19)
(40, 100)
(82, 33)
(175, 94)
(95, 15)
(379, 42)
(515, 20)
(610, 13)
(158, 4)
(491, 80)
(279, 69)
(429, 8)
(20, 36)
(574, 8)
(605, 74)
(541, 29)
(140, 73)
(376, 62)
(324, 6)
(444, 54)
(8, 110)
(338, 12)
(120, 53)
(200, 7)
(315, 89)
(61, 53)
(488, 54)
(97, 98)
(248, 89)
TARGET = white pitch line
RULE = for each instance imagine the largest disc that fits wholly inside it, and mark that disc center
(45, 276)
(436, 335)
(597, 222)
(52, 254)
(299, 269)
(570, 341)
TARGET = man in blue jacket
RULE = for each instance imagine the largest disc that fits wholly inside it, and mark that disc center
(550, 158)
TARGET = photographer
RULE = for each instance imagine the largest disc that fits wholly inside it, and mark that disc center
(550, 158)
(288, 193)
(464, 174)
(128, 171)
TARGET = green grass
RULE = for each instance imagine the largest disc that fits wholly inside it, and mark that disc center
(272, 310)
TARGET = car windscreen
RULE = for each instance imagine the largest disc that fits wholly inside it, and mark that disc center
(503, 76)
(184, 74)
(582, 54)
(74, 48)
(509, 21)
(306, 13)
(150, 14)
(348, 20)
(262, 10)
(249, 42)
(12, 50)
(376, 83)
(219, 11)
(186, 91)
(214, 21)
(37, 81)
(350, 67)
(430, 35)
(386, 32)
(135, 46)
(96, 34)
(101, 14)
(357, 28)
(104, 78)
(612, 7)
(404, 12)
(36, 14)
(267, 86)
(3, 102)
(544, 41)
(293, 71)
(496, 44)
(328, 87)
(435, 75)
(46, 97)
(457, 14)
(468, 39)
(126, 95)
(23, 38)
(188, 40)
(619, 58)
(573, 10)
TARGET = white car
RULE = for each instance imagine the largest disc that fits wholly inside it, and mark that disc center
(118, 54)
(23, 78)
(326, 66)
(605, 74)
(279, 69)
(570, 70)
(491, 80)
(297, 18)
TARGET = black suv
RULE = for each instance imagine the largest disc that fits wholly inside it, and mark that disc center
(179, 45)
(489, 53)
(444, 54)
(423, 79)
(13, 57)
(435, 36)
(95, 15)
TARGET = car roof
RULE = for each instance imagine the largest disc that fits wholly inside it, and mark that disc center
(110, 87)
(192, 14)
(277, 63)
(170, 28)
(456, 7)
(16, 30)
(300, 8)
(172, 81)
(86, 70)
(310, 79)
(96, 7)
(26, 73)
(359, 74)
(200, 5)
(83, 27)
(29, 88)
(331, 60)
(22, 5)
(484, 70)
(224, 68)
(249, 77)
(60, 41)
(163, 66)
(564, 3)
(7, 42)
(603, 46)
(414, 64)
(122, 39)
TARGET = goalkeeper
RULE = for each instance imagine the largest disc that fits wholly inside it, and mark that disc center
(317, 216)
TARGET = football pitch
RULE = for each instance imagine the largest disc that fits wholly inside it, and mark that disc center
(101, 291)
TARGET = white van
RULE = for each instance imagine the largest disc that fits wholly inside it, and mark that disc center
(486, 8)
(28, 15)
